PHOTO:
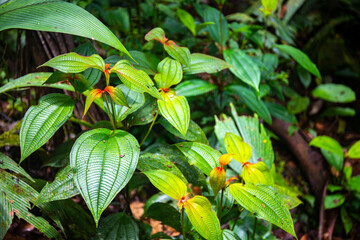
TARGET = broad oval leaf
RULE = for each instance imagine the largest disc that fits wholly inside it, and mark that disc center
(8, 163)
(229, 235)
(57, 16)
(168, 183)
(42, 121)
(63, 187)
(75, 63)
(190, 88)
(257, 173)
(264, 203)
(201, 155)
(334, 200)
(217, 179)
(103, 161)
(220, 33)
(187, 19)
(203, 218)
(200, 63)
(234, 144)
(334, 93)
(136, 80)
(268, 6)
(354, 151)
(117, 226)
(182, 54)
(300, 58)
(243, 67)
(176, 110)
(157, 34)
(170, 73)
(116, 95)
(327, 143)
(145, 114)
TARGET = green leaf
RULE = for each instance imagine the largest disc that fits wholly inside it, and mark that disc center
(136, 80)
(156, 161)
(78, 81)
(203, 218)
(7, 214)
(288, 196)
(252, 101)
(235, 145)
(255, 135)
(93, 95)
(304, 76)
(191, 88)
(334, 93)
(335, 160)
(75, 63)
(201, 26)
(176, 110)
(187, 20)
(346, 219)
(227, 202)
(229, 235)
(170, 73)
(298, 104)
(165, 213)
(217, 179)
(264, 203)
(354, 151)
(280, 112)
(222, 126)
(218, 32)
(300, 58)
(339, 111)
(194, 133)
(168, 183)
(134, 100)
(182, 54)
(57, 16)
(333, 201)
(243, 67)
(33, 80)
(268, 6)
(354, 183)
(201, 155)
(200, 63)
(327, 143)
(117, 226)
(103, 161)
(116, 95)
(42, 121)
(63, 187)
(157, 34)
(8, 163)
(257, 173)
(145, 114)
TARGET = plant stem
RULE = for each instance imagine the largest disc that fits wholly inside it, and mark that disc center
(82, 122)
(110, 116)
(182, 223)
(152, 124)
(221, 205)
(254, 229)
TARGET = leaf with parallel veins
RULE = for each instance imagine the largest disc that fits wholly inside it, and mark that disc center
(170, 73)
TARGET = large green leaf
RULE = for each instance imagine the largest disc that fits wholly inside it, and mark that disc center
(203, 218)
(194, 133)
(41, 122)
(218, 31)
(300, 57)
(33, 80)
(56, 16)
(334, 93)
(264, 203)
(117, 226)
(201, 155)
(257, 173)
(62, 187)
(136, 80)
(170, 73)
(6, 214)
(252, 101)
(8, 163)
(229, 235)
(243, 67)
(75, 63)
(187, 19)
(168, 183)
(182, 54)
(145, 114)
(200, 63)
(103, 161)
(354, 151)
(195, 87)
(176, 110)
(235, 145)
(280, 112)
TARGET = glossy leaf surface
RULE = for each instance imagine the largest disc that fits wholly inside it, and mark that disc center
(235, 145)
(187, 19)
(103, 161)
(200, 63)
(264, 203)
(157, 34)
(8, 163)
(257, 173)
(182, 54)
(218, 32)
(201, 155)
(354, 151)
(243, 67)
(42, 121)
(146, 113)
(170, 73)
(332, 92)
(328, 144)
(176, 110)
(116, 95)
(195, 87)
(65, 18)
(203, 218)
(168, 183)
(93, 95)
(217, 179)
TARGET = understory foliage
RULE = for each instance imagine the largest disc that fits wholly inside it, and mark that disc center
(151, 96)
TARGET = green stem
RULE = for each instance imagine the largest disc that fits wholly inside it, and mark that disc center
(221, 205)
(107, 105)
(254, 229)
(82, 122)
(152, 124)
(183, 223)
